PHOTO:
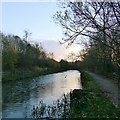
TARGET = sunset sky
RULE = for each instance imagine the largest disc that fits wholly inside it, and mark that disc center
(37, 18)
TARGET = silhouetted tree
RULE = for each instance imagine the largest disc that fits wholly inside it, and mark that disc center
(92, 19)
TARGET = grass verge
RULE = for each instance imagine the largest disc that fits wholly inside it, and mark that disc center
(93, 103)
(24, 74)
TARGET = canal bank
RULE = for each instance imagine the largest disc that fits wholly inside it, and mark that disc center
(17, 75)
(91, 102)
(111, 89)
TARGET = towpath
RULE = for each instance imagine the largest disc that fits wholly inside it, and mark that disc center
(111, 89)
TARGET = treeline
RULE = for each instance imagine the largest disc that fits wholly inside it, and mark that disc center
(101, 59)
(19, 54)
(21, 60)
(65, 65)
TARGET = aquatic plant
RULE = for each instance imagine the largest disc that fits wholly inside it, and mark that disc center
(58, 109)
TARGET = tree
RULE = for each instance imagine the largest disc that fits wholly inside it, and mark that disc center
(26, 34)
(64, 65)
(9, 53)
(19, 53)
(51, 55)
(92, 19)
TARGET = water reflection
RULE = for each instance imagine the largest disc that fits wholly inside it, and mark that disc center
(19, 97)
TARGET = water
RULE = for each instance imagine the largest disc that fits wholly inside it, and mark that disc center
(19, 97)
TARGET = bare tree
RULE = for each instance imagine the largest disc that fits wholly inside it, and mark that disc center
(26, 35)
(50, 55)
(99, 21)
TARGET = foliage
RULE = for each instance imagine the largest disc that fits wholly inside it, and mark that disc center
(90, 19)
(59, 109)
(19, 56)
(19, 53)
(92, 103)
(64, 65)
(99, 23)
(23, 74)
(93, 106)
(99, 59)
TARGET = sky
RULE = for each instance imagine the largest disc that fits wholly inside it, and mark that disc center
(37, 18)
(33, 16)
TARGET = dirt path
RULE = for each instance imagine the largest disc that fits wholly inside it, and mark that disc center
(111, 89)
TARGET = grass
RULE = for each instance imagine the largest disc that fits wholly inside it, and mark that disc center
(92, 104)
(89, 83)
(25, 74)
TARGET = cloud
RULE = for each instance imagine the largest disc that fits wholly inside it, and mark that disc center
(60, 51)
(54, 46)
